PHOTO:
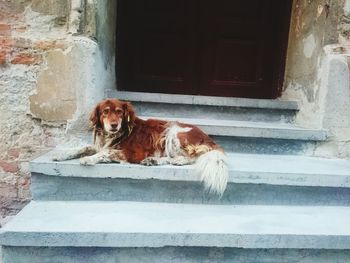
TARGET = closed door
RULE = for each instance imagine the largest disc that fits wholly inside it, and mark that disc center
(233, 48)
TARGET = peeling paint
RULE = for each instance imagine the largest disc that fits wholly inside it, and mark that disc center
(309, 46)
(55, 99)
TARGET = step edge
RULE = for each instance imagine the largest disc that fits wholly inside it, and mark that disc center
(205, 100)
(184, 173)
(122, 240)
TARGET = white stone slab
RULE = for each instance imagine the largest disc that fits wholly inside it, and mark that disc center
(134, 224)
(252, 129)
(243, 168)
(205, 100)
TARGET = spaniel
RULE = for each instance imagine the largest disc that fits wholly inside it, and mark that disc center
(120, 136)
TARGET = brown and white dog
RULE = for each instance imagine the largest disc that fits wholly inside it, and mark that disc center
(120, 136)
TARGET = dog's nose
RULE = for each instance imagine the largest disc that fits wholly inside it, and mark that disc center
(114, 126)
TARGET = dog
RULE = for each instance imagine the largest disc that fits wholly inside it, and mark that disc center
(120, 136)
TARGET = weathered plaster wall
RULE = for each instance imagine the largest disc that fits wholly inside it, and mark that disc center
(22, 135)
(318, 33)
(313, 26)
(51, 71)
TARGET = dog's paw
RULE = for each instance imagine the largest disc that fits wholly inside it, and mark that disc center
(180, 161)
(59, 157)
(88, 161)
(149, 161)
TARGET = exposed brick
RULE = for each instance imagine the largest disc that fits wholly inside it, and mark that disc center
(49, 45)
(9, 42)
(21, 29)
(6, 42)
(26, 59)
(9, 167)
(2, 57)
(5, 30)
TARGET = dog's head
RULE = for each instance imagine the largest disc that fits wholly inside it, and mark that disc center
(113, 116)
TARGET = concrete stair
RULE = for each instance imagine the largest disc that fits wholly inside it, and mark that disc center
(190, 106)
(258, 137)
(155, 227)
(271, 180)
(237, 124)
(277, 207)
(140, 224)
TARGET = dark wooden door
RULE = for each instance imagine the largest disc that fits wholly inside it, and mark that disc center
(232, 48)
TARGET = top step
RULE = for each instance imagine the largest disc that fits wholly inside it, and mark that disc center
(208, 100)
(190, 106)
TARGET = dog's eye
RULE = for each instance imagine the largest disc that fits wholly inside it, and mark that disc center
(105, 111)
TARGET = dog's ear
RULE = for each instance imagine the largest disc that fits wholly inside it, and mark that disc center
(95, 117)
(129, 113)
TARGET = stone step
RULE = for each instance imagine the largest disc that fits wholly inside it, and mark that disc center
(252, 129)
(253, 179)
(190, 106)
(153, 225)
(258, 137)
(172, 255)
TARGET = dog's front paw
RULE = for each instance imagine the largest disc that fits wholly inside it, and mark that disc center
(149, 161)
(59, 157)
(88, 161)
(180, 161)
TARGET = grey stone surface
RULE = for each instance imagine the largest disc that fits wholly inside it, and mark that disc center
(158, 109)
(259, 137)
(205, 100)
(60, 188)
(188, 106)
(253, 129)
(171, 255)
(253, 145)
(254, 179)
(243, 168)
(133, 224)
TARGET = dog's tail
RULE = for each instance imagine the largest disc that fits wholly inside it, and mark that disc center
(212, 168)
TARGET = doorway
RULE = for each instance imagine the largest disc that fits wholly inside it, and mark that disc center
(231, 48)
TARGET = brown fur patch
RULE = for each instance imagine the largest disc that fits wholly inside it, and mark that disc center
(196, 150)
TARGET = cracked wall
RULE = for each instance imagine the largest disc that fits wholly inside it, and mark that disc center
(51, 70)
(317, 70)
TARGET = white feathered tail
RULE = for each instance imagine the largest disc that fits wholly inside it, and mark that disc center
(212, 168)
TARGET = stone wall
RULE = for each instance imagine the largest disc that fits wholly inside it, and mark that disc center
(51, 71)
(317, 73)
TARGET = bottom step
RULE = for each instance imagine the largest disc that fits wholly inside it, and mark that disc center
(136, 224)
(171, 255)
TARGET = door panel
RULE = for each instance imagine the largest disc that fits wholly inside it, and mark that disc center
(205, 47)
(235, 49)
(159, 59)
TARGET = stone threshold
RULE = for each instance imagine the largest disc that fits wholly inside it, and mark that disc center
(204, 100)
